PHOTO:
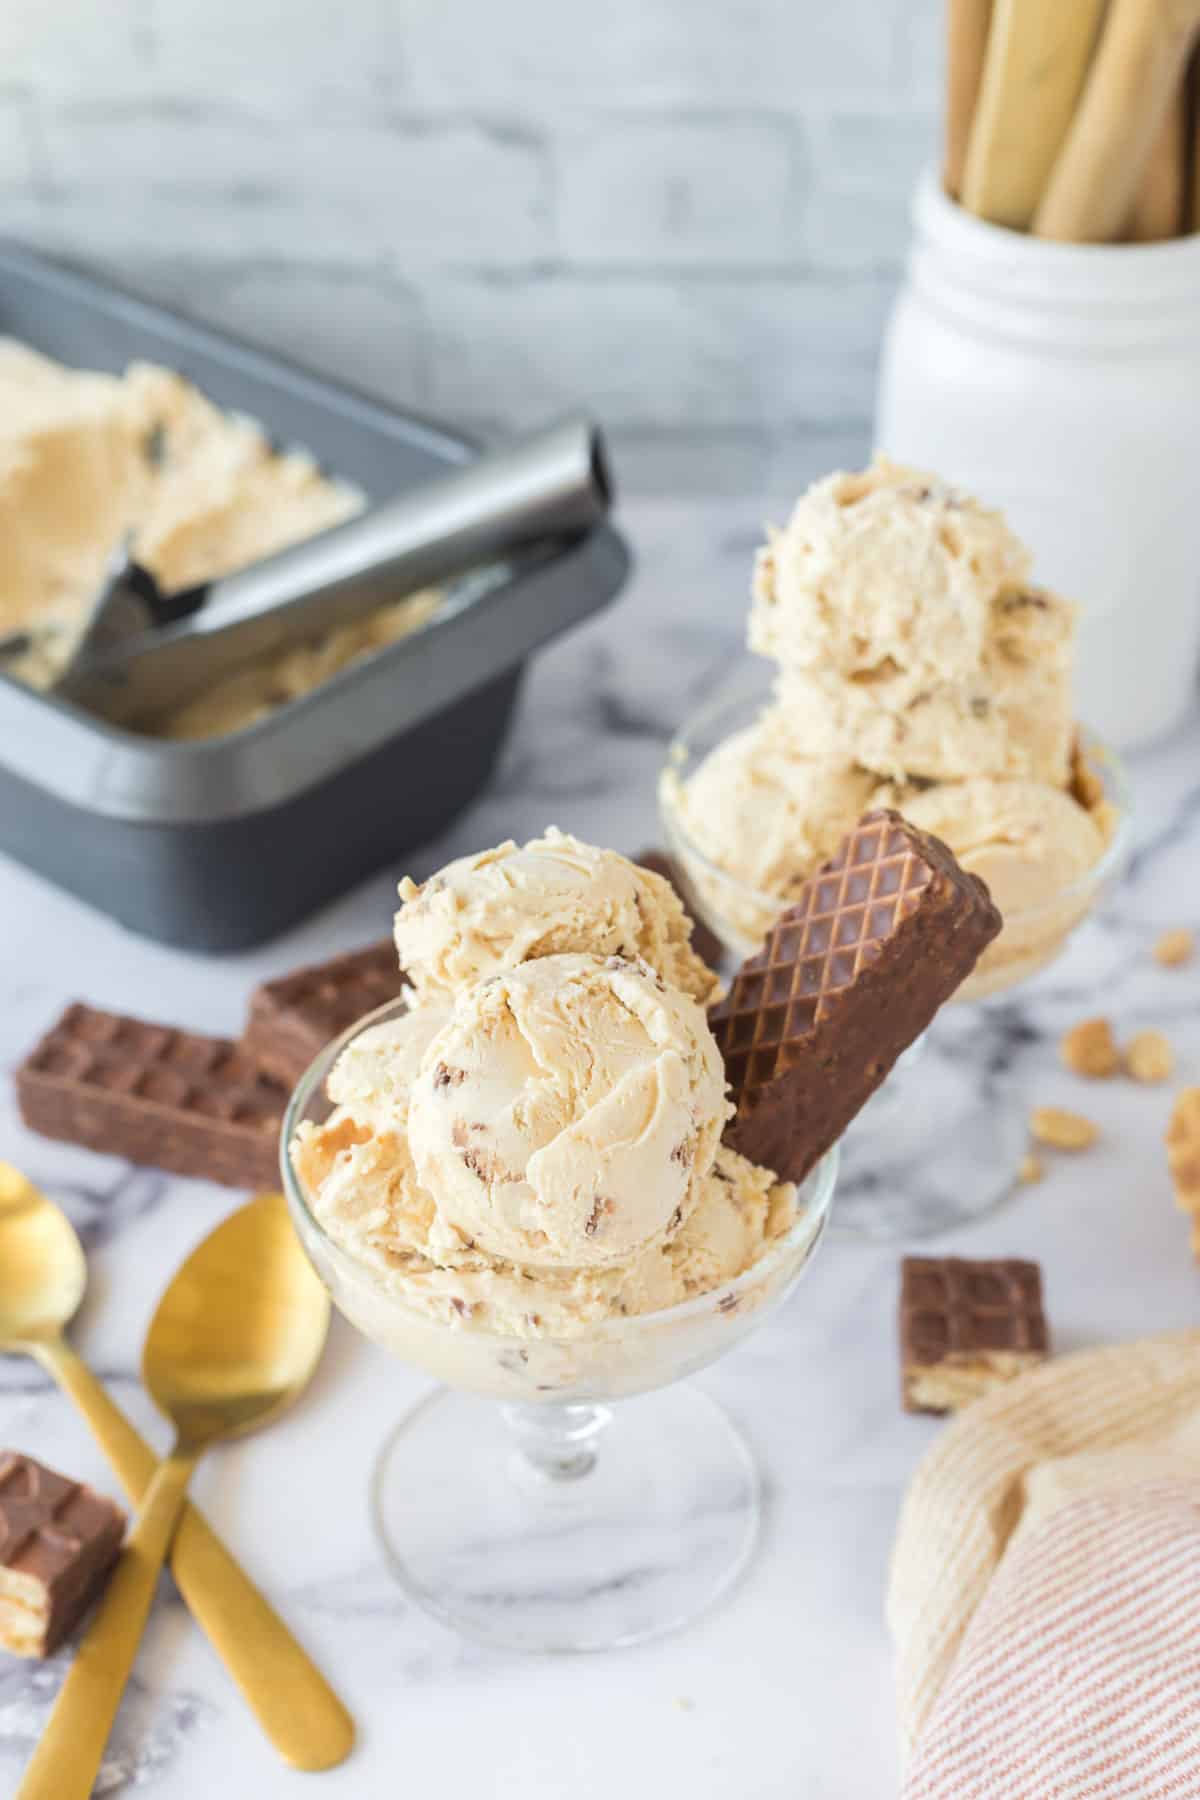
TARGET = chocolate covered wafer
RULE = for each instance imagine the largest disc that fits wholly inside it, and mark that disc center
(292, 1018)
(705, 943)
(880, 936)
(965, 1327)
(156, 1095)
(58, 1540)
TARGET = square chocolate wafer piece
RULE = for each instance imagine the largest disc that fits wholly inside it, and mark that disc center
(156, 1095)
(292, 1018)
(965, 1327)
(58, 1541)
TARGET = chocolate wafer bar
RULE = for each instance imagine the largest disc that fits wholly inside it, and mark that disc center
(292, 1018)
(156, 1095)
(58, 1541)
(705, 943)
(879, 937)
(965, 1327)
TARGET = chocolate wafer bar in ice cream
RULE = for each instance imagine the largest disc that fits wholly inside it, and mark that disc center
(848, 977)
(58, 1541)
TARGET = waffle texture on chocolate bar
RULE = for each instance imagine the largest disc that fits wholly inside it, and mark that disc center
(878, 938)
(291, 1019)
(155, 1095)
(58, 1540)
(966, 1326)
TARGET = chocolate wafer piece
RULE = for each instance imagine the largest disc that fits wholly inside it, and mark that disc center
(965, 1327)
(705, 943)
(292, 1018)
(156, 1095)
(58, 1541)
(879, 937)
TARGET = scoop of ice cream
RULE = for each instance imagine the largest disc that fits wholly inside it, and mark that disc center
(566, 1110)
(373, 1076)
(1027, 841)
(488, 913)
(740, 1209)
(885, 575)
(364, 1188)
(1035, 846)
(1013, 717)
(762, 810)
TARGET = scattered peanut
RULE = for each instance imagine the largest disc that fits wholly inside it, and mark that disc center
(1175, 947)
(1086, 784)
(1030, 1168)
(1183, 1149)
(1089, 1048)
(1149, 1056)
(1062, 1130)
(1183, 1154)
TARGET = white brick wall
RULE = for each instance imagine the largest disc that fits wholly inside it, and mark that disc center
(689, 214)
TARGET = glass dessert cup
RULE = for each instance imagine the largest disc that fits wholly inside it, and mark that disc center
(519, 1502)
(937, 1146)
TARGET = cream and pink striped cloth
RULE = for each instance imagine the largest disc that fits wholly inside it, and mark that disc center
(1045, 1587)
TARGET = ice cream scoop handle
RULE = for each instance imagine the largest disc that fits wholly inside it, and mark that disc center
(551, 484)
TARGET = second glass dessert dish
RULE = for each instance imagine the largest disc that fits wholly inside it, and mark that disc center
(567, 1489)
(936, 1145)
(913, 664)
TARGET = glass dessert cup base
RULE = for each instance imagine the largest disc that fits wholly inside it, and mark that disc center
(566, 1527)
(559, 1492)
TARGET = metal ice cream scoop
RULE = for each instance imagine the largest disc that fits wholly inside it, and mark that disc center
(133, 665)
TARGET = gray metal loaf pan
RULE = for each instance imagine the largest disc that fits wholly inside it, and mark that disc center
(217, 845)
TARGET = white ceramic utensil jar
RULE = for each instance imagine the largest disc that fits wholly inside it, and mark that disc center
(1061, 382)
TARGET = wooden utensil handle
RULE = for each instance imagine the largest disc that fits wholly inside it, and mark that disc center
(287, 1693)
(1037, 56)
(1158, 205)
(1138, 66)
(967, 24)
(67, 1760)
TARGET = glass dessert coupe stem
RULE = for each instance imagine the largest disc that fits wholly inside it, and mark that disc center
(568, 1493)
(940, 1143)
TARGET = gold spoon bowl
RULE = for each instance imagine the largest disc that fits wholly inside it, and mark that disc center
(43, 1273)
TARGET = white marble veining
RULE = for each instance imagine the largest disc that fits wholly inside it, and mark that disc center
(785, 1690)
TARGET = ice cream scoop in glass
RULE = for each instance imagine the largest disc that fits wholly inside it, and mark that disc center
(567, 1488)
(937, 1145)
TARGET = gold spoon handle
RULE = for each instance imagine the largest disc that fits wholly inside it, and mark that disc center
(67, 1760)
(289, 1696)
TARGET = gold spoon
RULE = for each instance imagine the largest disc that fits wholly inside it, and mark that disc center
(42, 1278)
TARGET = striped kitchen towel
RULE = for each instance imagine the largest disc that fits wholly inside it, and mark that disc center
(1079, 1675)
(1101, 1451)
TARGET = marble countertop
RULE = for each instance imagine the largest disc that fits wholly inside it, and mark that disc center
(786, 1688)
